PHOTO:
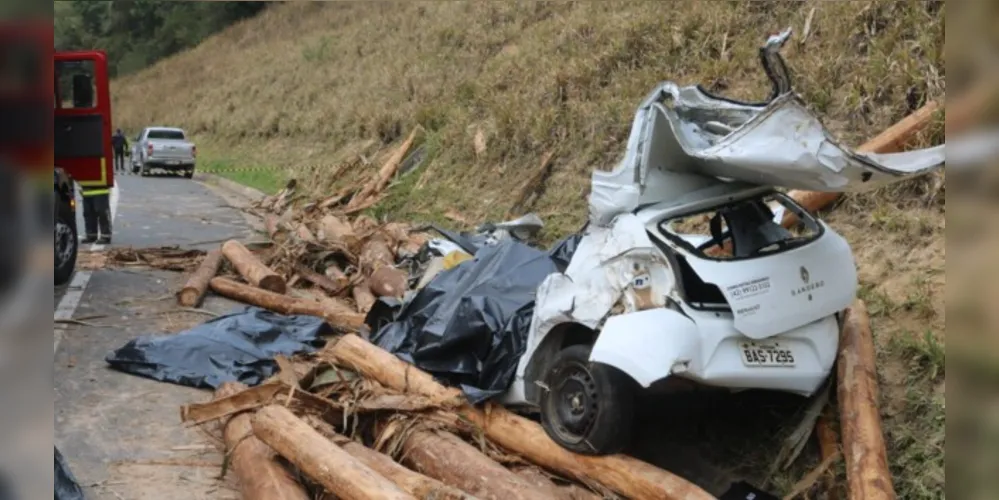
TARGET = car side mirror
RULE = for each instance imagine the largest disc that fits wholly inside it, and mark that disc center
(83, 91)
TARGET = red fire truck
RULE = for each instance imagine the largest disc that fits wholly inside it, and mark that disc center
(76, 140)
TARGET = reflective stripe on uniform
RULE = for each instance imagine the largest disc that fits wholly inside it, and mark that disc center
(95, 192)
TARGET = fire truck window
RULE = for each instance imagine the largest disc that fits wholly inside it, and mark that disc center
(76, 89)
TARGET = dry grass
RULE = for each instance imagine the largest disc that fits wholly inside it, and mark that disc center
(304, 83)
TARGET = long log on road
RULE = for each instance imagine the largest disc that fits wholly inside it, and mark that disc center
(284, 304)
(196, 286)
(250, 267)
(867, 472)
(261, 476)
(625, 475)
(326, 463)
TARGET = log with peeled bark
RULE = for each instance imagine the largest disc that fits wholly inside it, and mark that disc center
(250, 268)
(867, 472)
(284, 304)
(622, 474)
(337, 231)
(326, 463)
(388, 282)
(556, 492)
(376, 253)
(363, 296)
(196, 286)
(261, 476)
(413, 482)
(444, 456)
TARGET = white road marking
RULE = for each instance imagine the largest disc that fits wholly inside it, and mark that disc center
(74, 293)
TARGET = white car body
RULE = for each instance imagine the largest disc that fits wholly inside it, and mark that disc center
(774, 324)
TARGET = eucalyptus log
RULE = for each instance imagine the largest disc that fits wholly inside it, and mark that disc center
(625, 475)
(250, 268)
(194, 290)
(284, 304)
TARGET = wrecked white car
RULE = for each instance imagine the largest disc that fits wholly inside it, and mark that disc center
(685, 273)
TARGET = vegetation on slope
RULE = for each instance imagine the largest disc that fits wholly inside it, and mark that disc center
(137, 33)
(304, 86)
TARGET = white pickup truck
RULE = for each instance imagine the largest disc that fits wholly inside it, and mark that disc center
(164, 148)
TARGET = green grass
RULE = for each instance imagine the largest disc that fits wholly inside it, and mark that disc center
(266, 180)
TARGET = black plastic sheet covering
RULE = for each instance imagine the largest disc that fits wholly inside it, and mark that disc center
(239, 346)
(468, 326)
(66, 487)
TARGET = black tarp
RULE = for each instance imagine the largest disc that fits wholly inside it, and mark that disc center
(239, 346)
(65, 485)
(469, 325)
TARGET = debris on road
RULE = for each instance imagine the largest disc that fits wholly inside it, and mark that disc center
(65, 485)
(197, 285)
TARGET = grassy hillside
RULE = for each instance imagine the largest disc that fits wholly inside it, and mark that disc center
(306, 85)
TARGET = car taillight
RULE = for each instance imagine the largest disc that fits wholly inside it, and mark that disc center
(149, 149)
(194, 151)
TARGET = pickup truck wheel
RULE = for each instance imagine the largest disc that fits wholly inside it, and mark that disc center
(588, 408)
(66, 244)
(189, 173)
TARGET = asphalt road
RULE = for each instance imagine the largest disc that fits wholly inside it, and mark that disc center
(121, 434)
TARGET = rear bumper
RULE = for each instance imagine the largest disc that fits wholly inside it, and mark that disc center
(173, 165)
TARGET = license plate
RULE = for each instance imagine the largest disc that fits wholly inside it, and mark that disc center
(762, 354)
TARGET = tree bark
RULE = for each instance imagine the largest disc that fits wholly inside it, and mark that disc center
(867, 472)
(376, 253)
(624, 475)
(284, 304)
(363, 297)
(556, 492)
(196, 286)
(444, 456)
(250, 268)
(326, 463)
(261, 476)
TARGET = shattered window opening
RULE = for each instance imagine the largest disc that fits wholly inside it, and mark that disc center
(708, 235)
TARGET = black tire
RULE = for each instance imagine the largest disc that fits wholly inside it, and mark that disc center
(66, 244)
(588, 408)
(189, 173)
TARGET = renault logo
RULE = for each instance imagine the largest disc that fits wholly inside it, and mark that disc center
(804, 274)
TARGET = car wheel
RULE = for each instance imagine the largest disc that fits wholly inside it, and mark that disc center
(189, 173)
(588, 408)
(66, 244)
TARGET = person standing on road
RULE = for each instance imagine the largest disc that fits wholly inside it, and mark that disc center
(97, 214)
(120, 145)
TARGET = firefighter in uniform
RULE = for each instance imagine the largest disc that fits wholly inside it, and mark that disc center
(97, 214)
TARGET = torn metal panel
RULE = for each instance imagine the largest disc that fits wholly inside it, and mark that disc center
(684, 139)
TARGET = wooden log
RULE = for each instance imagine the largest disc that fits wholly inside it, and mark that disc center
(337, 231)
(250, 268)
(363, 297)
(261, 476)
(376, 253)
(323, 281)
(196, 286)
(446, 457)
(388, 282)
(569, 492)
(274, 228)
(284, 304)
(385, 174)
(625, 475)
(867, 472)
(326, 463)
(305, 234)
